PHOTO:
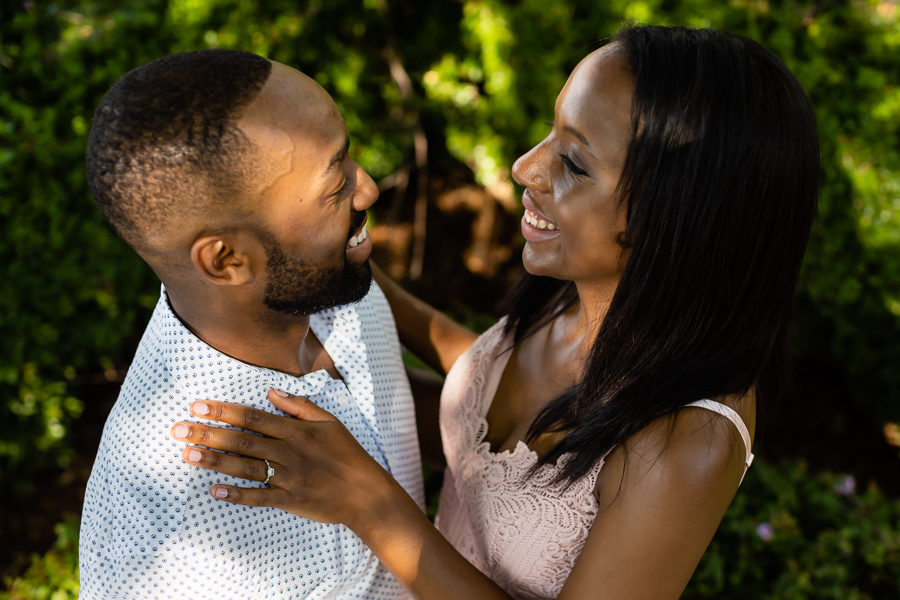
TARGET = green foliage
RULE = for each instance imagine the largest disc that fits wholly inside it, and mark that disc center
(53, 576)
(792, 535)
(71, 292)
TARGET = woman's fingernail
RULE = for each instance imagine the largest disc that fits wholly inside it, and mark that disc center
(281, 393)
(181, 431)
(200, 408)
(221, 493)
(194, 456)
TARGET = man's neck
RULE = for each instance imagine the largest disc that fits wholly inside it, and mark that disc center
(276, 342)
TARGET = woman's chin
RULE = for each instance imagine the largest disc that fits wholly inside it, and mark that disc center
(537, 263)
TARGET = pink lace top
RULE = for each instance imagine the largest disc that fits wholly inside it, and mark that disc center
(525, 534)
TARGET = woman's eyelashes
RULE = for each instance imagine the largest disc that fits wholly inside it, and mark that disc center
(575, 169)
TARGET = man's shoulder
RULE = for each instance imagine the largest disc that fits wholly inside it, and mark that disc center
(375, 295)
(148, 375)
(377, 300)
(376, 317)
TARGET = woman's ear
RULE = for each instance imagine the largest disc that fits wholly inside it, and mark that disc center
(227, 258)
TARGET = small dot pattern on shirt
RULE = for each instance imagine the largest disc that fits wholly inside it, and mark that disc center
(150, 528)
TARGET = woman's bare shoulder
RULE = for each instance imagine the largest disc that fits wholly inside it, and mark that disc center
(695, 449)
(662, 495)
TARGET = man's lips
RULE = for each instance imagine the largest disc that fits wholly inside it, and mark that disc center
(358, 221)
(360, 234)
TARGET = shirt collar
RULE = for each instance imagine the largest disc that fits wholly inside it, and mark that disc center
(344, 320)
(180, 345)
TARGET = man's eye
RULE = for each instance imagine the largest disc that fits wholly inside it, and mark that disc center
(344, 188)
(572, 166)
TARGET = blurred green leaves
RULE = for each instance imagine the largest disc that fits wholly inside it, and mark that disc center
(789, 534)
(71, 291)
(53, 576)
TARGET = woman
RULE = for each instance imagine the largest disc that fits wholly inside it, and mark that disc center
(595, 436)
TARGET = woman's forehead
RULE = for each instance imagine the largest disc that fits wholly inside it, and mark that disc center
(598, 95)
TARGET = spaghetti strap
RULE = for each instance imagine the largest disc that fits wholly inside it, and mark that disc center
(730, 414)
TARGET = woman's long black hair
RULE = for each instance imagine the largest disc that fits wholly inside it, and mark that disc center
(721, 183)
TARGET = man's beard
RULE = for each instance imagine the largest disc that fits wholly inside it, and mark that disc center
(295, 288)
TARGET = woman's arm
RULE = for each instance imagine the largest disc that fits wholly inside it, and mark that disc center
(426, 390)
(658, 509)
(662, 496)
(429, 334)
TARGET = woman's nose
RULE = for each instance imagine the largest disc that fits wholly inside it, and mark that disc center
(531, 171)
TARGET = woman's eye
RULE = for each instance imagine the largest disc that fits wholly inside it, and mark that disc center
(572, 166)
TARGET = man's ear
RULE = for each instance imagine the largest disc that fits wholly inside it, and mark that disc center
(227, 258)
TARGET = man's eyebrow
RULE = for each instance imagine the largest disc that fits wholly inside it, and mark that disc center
(339, 156)
(580, 137)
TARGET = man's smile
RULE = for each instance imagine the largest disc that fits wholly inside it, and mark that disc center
(358, 232)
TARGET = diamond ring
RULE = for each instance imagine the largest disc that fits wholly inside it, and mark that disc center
(269, 471)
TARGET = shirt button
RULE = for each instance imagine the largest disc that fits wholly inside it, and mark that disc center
(392, 460)
(343, 400)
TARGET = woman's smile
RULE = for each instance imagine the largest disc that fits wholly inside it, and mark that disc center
(535, 226)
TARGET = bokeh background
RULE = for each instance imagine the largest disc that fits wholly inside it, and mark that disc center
(440, 97)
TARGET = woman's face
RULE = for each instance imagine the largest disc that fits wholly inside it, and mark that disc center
(572, 217)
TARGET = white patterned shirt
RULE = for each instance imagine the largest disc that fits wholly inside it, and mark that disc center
(151, 529)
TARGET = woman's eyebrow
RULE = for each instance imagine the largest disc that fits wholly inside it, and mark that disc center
(581, 138)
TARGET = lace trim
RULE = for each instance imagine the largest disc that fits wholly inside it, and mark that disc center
(526, 534)
(462, 396)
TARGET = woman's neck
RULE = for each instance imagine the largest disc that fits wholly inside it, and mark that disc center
(593, 304)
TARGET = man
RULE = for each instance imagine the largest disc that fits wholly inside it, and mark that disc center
(230, 175)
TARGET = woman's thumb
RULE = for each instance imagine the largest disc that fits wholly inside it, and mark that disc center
(298, 406)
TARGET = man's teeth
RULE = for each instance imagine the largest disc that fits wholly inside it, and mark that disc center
(358, 239)
(535, 221)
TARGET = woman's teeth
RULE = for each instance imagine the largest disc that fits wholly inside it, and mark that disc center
(358, 239)
(535, 221)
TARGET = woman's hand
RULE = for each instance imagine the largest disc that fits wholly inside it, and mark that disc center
(320, 471)
(323, 474)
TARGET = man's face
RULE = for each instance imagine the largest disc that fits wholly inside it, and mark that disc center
(312, 199)
(297, 288)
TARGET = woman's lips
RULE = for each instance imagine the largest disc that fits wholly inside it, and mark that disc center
(535, 226)
(536, 234)
(538, 221)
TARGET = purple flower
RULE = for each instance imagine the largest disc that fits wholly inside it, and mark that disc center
(845, 486)
(765, 531)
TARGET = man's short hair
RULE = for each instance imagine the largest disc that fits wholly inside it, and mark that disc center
(164, 145)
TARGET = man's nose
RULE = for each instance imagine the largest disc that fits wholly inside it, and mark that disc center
(366, 190)
(531, 170)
